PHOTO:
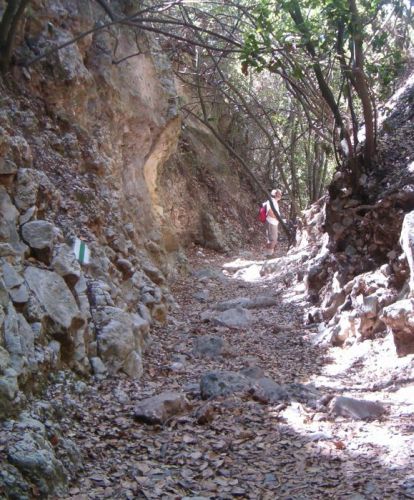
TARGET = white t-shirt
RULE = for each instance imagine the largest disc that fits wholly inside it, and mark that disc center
(271, 220)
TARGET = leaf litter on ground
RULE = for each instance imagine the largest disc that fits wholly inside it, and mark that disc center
(233, 447)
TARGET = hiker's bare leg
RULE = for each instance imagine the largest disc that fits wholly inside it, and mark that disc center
(272, 234)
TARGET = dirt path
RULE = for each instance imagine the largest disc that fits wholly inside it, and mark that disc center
(247, 449)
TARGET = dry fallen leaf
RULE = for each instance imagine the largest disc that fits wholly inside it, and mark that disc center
(339, 445)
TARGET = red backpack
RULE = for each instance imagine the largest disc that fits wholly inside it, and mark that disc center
(262, 214)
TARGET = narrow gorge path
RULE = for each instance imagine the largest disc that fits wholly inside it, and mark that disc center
(274, 439)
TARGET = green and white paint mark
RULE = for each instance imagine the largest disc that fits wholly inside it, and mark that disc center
(82, 251)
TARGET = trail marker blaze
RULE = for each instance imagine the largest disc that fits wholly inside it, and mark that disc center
(81, 251)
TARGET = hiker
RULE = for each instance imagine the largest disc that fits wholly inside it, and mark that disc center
(272, 224)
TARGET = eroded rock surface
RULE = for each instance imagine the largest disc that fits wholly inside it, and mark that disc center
(399, 318)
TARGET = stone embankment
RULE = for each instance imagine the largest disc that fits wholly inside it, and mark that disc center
(360, 271)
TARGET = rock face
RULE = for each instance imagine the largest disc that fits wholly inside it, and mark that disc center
(93, 148)
(407, 244)
(361, 276)
(113, 185)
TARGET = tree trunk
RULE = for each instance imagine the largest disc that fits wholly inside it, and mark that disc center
(360, 82)
(8, 29)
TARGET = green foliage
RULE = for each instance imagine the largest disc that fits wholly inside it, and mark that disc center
(328, 25)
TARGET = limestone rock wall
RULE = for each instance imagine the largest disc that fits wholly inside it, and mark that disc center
(92, 146)
(213, 205)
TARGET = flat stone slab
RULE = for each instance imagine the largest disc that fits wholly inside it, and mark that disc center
(236, 317)
(210, 346)
(265, 390)
(223, 383)
(253, 371)
(202, 295)
(259, 302)
(357, 409)
(158, 409)
(303, 393)
(208, 273)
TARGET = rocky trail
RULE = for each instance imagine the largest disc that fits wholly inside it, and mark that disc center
(268, 419)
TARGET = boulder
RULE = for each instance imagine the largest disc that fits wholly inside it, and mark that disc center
(212, 235)
(19, 342)
(161, 408)
(19, 295)
(27, 187)
(100, 294)
(68, 65)
(65, 264)
(399, 318)
(357, 318)
(304, 393)
(223, 383)
(10, 243)
(53, 354)
(54, 306)
(8, 171)
(202, 295)
(98, 367)
(126, 268)
(27, 215)
(153, 273)
(121, 339)
(12, 483)
(268, 391)
(34, 457)
(7, 167)
(234, 318)
(19, 149)
(39, 235)
(357, 409)
(210, 346)
(4, 297)
(247, 303)
(14, 284)
(208, 273)
(317, 276)
(4, 360)
(345, 328)
(253, 371)
(8, 392)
